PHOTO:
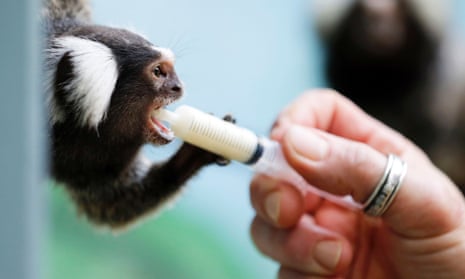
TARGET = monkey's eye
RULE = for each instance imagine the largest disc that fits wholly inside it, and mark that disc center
(157, 71)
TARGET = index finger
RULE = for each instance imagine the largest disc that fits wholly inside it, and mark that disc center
(327, 110)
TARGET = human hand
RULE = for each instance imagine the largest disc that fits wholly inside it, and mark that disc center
(340, 149)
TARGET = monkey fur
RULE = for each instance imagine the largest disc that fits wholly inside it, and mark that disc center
(102, 85)
(396, 60)
(380, 56)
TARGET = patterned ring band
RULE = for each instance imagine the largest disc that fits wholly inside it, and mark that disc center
(387, 188)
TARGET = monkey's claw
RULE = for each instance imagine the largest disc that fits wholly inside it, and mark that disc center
(221, 161)
(229, 118)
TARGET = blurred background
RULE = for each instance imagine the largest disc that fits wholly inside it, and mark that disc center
(248, 58)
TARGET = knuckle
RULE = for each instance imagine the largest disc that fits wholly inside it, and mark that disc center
(355, 156)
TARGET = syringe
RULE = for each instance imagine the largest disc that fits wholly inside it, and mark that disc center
(236, 143)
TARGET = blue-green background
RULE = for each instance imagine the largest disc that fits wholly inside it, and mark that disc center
(245, 57)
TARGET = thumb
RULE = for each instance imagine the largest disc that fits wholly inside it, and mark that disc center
(344, 167)
(334, 164)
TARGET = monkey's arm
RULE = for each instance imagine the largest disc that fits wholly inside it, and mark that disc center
(121, 204)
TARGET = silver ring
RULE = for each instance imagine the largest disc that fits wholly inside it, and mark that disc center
(387, 188)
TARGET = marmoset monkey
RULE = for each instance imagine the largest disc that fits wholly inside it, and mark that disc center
(103, 84)
(401, 61)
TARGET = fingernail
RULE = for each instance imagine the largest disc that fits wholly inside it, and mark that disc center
(307, 144)
(328, 253)
(272, 205)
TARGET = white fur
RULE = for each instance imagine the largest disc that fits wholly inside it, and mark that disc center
(95, 74)
(328, 13)
(166, 54)
(433, 13)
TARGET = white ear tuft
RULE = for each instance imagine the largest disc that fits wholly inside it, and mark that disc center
(95, 72)
(434, 14)
(166, 54)
(329, 13)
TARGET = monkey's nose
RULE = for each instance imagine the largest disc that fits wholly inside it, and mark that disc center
(174, 87)
(177, 88)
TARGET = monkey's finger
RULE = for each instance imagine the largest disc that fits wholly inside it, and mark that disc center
(229, 118)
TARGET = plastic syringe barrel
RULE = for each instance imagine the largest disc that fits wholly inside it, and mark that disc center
(213, 134)
(273, 163)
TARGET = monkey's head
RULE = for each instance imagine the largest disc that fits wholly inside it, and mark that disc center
(380, 27)
(108, 81)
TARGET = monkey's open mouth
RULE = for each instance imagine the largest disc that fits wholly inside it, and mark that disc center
(160, 128)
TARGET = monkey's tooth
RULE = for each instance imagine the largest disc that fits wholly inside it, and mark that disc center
(162, 130)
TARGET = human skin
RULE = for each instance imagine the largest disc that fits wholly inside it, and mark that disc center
(340, 149)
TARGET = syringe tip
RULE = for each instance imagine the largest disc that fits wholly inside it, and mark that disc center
(165, 115)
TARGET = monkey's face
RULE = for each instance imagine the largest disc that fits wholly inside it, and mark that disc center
(147, 82)
(167, 88)
(384, 23)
